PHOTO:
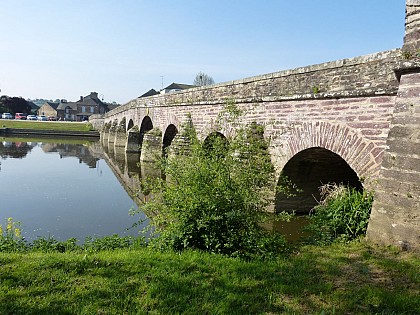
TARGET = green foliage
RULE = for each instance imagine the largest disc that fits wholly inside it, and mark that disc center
(11, 239)
(342, 215)
(112, 242)
(14, 105)
(215, 194)
(315, 89)
(50, 244)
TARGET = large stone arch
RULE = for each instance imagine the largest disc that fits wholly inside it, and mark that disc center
(306, 172)
(211, 137)
(362, 155)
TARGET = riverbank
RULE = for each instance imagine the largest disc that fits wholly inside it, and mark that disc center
(339, 279)
(47, 129)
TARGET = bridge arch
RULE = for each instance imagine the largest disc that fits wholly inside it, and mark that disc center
(211, 139)
(146, 126)
(169, 135)
(130, 124)
(362, 155)
(308, 170)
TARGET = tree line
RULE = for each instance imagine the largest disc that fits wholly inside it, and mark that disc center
(14, 105)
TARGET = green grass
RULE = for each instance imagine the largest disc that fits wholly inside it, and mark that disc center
(338, 279)
(45, 125)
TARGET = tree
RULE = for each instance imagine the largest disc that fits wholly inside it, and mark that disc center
(202, 79)
(215, 194)
(14, 105)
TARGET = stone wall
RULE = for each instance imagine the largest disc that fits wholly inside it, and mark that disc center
(395, 218)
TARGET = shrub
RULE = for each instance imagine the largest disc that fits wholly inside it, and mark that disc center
(342, 214)
(11, 239)
(215, 194)
(50, 244)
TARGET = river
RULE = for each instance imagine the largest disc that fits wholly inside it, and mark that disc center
(63, 189)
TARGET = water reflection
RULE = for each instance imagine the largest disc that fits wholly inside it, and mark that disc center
(16, 150)
(67, 189)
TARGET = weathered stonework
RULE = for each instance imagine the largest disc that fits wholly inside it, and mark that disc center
(133, 140)
(355, 108)
(151, 148)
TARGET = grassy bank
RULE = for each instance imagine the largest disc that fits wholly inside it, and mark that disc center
(338, 279)
(45, 125)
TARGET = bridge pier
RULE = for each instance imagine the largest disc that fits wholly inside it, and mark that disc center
(132, 161)
(120, 135)
(112, 133)
(395, 217)
(179, 145)
(151, 147)
(133, 140)
(105, 134)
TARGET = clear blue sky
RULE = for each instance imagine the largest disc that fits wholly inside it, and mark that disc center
(122, 48)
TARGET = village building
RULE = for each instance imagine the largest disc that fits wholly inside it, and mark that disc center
(80, 110)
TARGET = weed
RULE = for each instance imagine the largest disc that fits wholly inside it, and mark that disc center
(342, 215)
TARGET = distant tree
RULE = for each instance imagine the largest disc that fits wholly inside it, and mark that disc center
(202, 79)
(14, 105)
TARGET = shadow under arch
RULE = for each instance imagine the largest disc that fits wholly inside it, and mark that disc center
(170, 133)
(308, 170)
(216, 141)
(130, 125)
(146, 125)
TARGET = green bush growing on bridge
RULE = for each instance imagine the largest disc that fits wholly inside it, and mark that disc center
(215, 194)
(341, 215)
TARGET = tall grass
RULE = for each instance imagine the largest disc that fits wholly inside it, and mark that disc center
(342, 214)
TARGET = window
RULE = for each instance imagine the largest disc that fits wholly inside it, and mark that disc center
(92, 109)
(83, 109)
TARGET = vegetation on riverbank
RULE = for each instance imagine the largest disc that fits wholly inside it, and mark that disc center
(46, 125)
(215, 192)
(355, 278)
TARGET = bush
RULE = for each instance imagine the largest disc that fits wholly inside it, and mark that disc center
(215, 195)
(11, 239)
(342, 214)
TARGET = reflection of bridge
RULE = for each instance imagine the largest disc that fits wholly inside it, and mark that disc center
(127, 169)
(328, 122)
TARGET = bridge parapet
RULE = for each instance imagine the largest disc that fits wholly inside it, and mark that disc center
(354, 77)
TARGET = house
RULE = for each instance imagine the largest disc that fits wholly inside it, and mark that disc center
(34, 107)
(151, 92)
(76, 111)
(48, 109)
(175, 87)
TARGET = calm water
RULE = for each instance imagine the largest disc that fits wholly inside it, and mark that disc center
(62, 190)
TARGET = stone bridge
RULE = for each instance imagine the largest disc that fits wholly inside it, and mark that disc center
(355, 121)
